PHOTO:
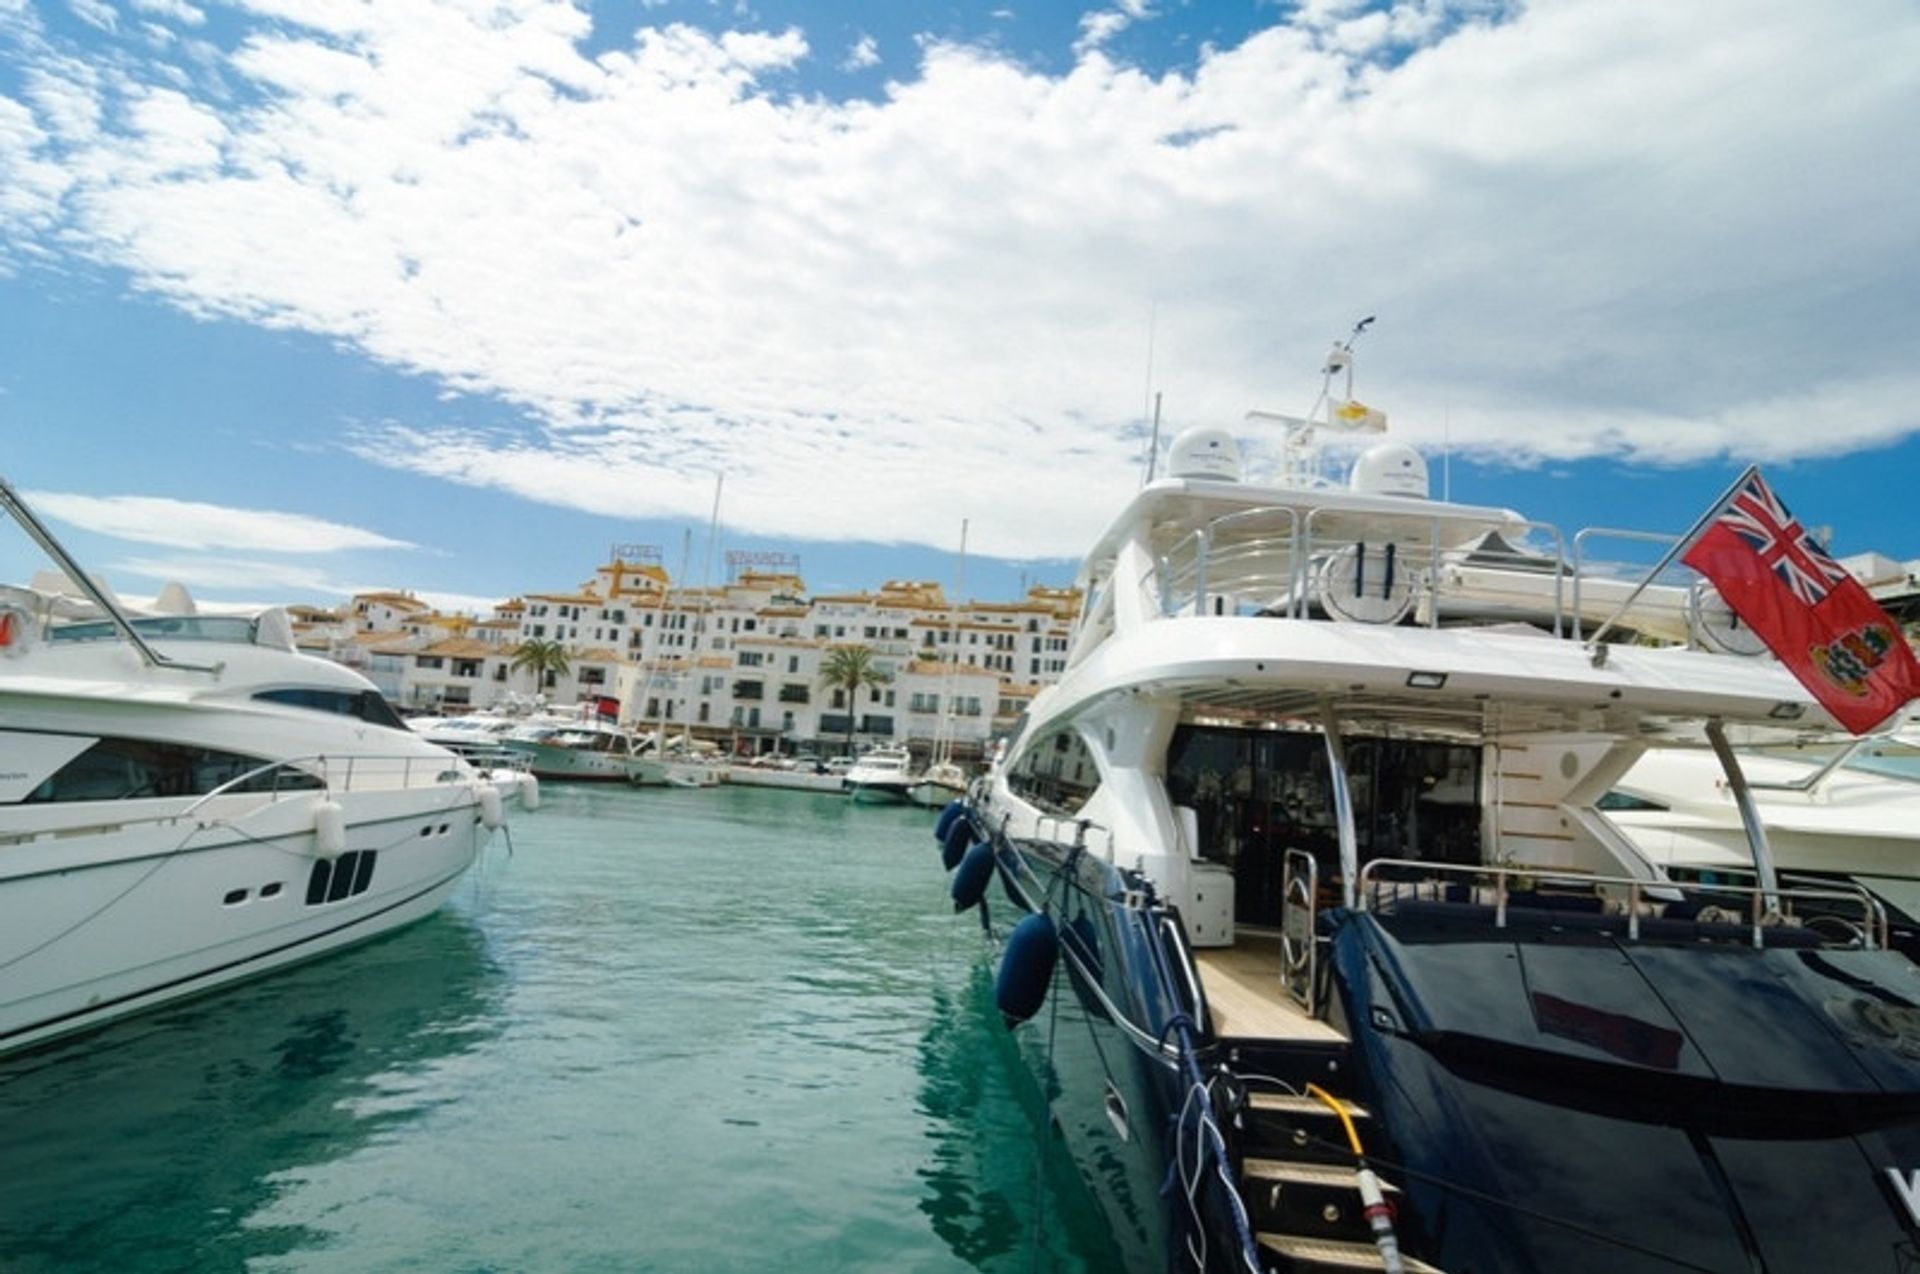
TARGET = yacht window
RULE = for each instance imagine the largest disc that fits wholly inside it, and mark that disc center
(367, 705)
(1617, 800)
(1258, 793)
(127, 769)
(226, 628)
(1058, 773)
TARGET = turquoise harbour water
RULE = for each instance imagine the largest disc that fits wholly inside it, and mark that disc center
(699, 1031)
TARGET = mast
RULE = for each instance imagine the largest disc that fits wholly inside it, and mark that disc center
(706, 599)
(943, 733)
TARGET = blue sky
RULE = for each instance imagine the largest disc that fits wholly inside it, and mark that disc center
(299, 297)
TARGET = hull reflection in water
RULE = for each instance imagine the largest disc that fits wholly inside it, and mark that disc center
(995, 1199)
(218, 1100)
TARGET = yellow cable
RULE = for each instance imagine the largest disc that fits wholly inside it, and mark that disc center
(1346, 1120)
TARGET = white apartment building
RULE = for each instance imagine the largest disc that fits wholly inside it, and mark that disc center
(737, 663)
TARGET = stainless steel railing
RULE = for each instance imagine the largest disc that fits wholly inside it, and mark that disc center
(1633, 897)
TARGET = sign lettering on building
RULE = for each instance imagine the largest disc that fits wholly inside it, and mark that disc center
(648, 553)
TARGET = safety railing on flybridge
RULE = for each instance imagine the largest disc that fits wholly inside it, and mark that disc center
(1385, 568)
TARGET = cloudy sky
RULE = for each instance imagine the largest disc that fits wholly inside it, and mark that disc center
(304, 296)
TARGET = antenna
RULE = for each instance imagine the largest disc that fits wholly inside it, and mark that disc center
(1300, 456)
(1153, 320)
(1153, 444)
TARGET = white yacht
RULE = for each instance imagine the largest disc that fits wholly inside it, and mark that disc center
(186, 801)
(1324, 955)
(883, 774)
(579, 745)
(1845, 811)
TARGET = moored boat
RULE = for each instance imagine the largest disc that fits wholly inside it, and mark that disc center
(938, 784)
(1328, 955)
(187, 801)
(581, 747)
(883, 774)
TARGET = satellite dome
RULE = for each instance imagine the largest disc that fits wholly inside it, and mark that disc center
(1391, 468)
(1204, 452)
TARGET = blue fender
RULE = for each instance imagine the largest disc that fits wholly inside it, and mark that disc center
(954, 845)
(1026, 968)
(976, 872)
(950, 813)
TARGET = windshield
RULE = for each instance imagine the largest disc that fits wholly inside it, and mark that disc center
(224, 628)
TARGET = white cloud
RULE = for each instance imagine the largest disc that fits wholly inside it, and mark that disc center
(187, 525)
(178, 10)
(278, 580)
(1619, 227)
(864, 53)
(1099, 27)
(263, 584)
(96, 13)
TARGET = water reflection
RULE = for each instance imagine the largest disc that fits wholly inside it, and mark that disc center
(1000, 1193)
(148, 1145)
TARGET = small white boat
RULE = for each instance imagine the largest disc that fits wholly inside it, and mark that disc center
(884, 774)
(942, 782)
(789, 775)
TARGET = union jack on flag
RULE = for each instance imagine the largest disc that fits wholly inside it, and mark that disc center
(1756, 515)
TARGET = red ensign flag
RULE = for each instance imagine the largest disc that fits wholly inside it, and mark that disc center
(1817, 618)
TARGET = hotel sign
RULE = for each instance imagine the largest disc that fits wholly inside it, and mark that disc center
(649, 553)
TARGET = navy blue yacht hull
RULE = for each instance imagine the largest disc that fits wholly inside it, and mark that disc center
(1546, 1096)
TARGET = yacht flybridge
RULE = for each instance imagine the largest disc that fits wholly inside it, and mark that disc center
(186, 801)
(1328, 957)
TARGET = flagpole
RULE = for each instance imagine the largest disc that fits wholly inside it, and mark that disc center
(1680, 546)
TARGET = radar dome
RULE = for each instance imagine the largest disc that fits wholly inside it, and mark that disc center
(1392, 468)
(1203, 452)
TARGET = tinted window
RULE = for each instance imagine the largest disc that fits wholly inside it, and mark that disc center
(1058, 773)
(127, 769)
(367, 705)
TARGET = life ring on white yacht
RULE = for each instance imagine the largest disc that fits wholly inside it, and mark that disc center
(1714, 624)
(1366, 584)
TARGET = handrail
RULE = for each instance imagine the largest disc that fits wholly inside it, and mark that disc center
(1081, 827)
(408, 769)
(1876, 935)
(1298, 954)
(1579, 573)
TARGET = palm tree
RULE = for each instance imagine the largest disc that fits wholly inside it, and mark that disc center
(546, 659)
(851, 668)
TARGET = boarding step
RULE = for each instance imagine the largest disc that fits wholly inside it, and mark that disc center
(1329, 1176)
(1300, 1105)
(1335, 1254)
(1313, 1200)
(1297, 1127)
